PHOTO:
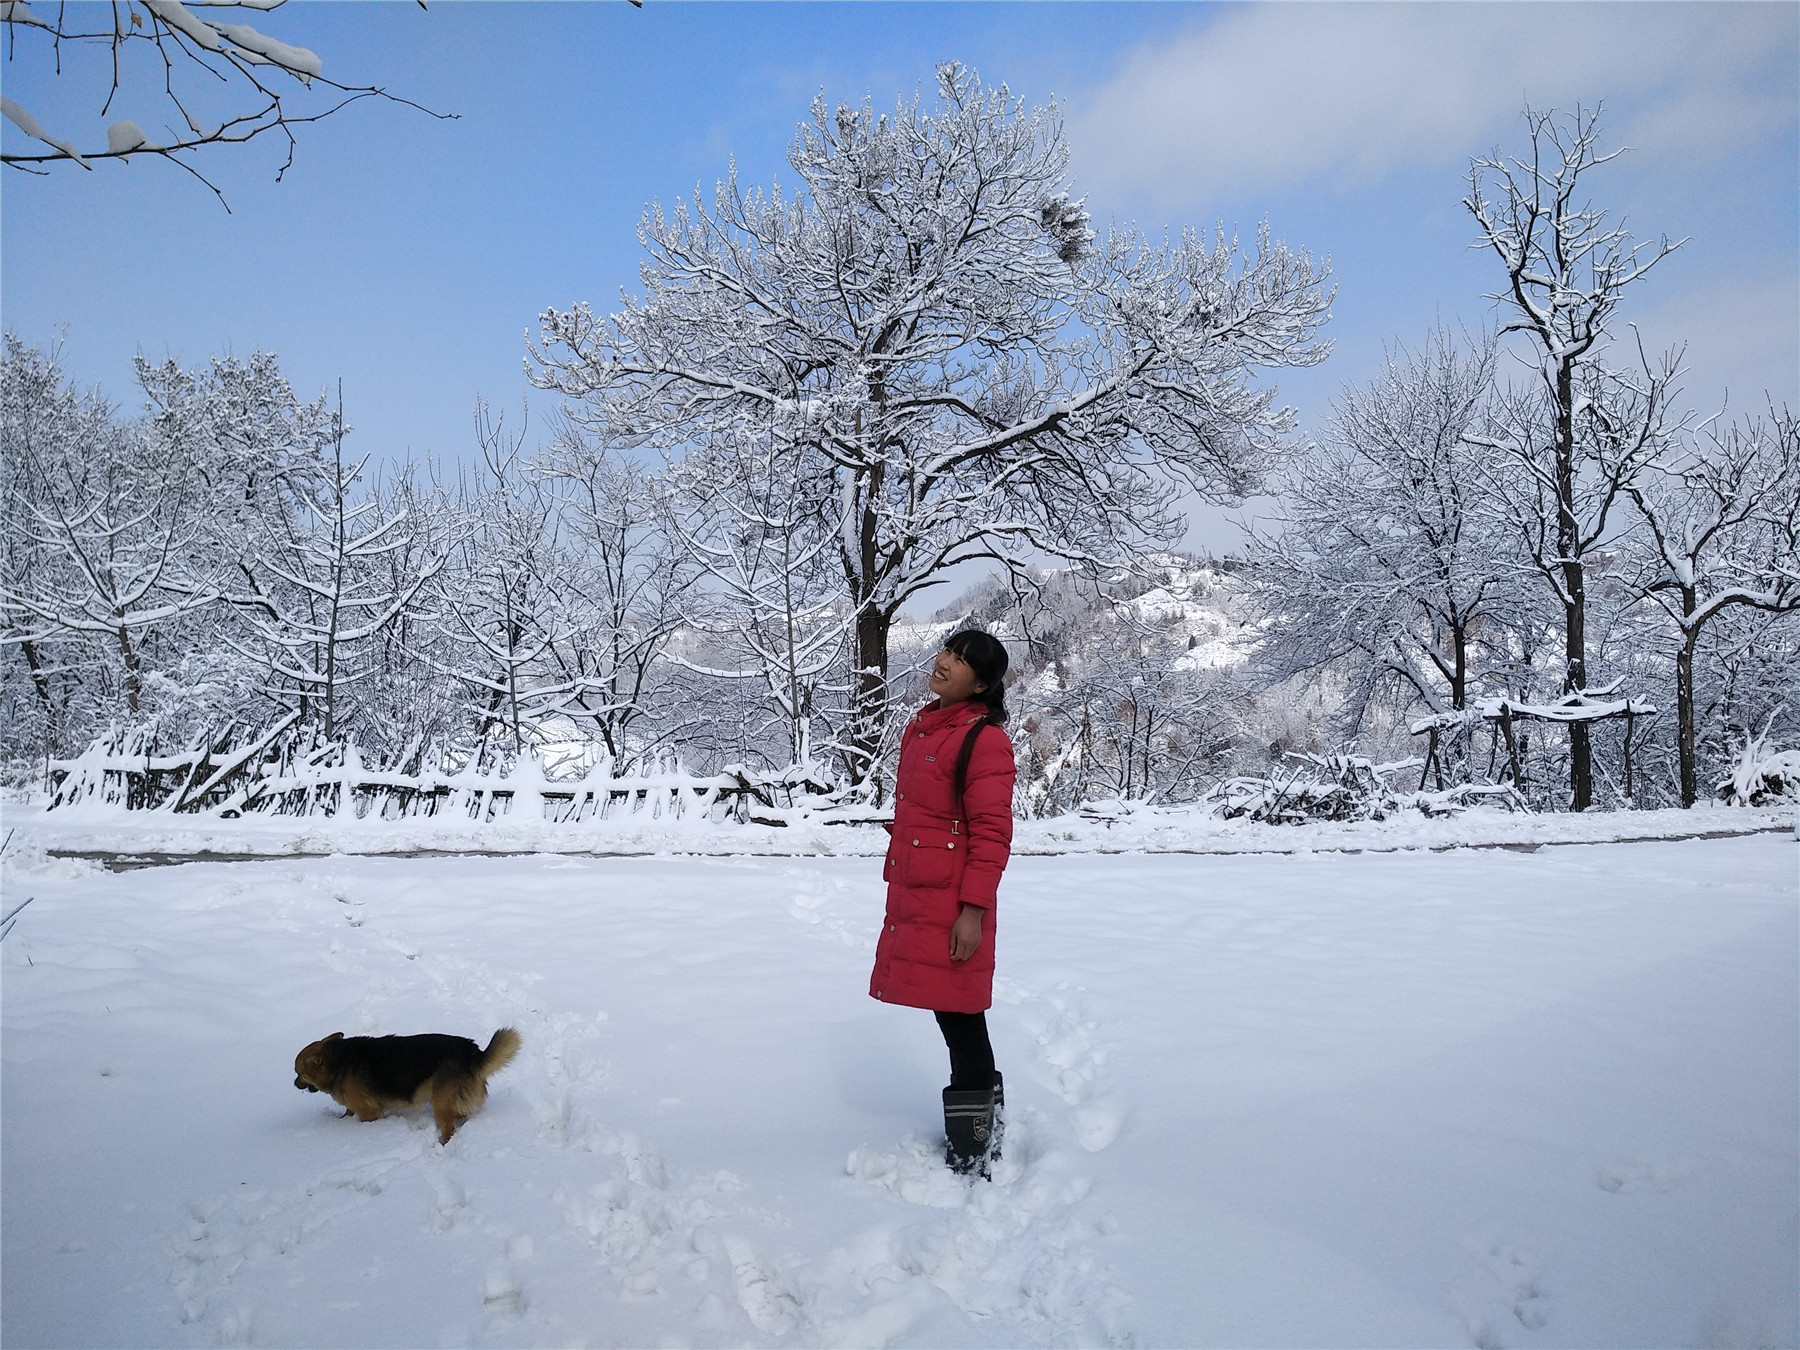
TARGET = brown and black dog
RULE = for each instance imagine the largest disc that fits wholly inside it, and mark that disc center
(368, 1075)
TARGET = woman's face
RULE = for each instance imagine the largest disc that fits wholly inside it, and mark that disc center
(952, 680)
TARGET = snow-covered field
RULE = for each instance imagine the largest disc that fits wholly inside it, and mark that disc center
(1325, 1099)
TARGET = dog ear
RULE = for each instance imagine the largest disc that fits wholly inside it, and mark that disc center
(335, 1036)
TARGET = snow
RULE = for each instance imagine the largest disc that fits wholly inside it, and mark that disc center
(297, 60)
(21, 117)
(17, 11)
(176, 15)
(123, 136)
(1412, 1098)
(649, 829)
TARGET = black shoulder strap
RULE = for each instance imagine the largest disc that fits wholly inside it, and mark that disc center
(960, 779)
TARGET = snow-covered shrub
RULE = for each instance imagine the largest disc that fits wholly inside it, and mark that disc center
(1762, 774)
(1344, 786)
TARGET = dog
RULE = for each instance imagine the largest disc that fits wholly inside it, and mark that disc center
(369, 1075)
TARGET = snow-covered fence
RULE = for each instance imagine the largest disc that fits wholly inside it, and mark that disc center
(1591, 705)
(270, 775)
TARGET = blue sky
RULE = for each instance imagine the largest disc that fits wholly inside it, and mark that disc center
(409, 256)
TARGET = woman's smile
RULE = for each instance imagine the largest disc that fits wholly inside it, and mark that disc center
(952, 680)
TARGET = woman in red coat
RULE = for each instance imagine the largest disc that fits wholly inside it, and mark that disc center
(952, 835)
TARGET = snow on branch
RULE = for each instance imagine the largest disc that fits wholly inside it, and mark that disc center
(1591, 705)
(164, 51)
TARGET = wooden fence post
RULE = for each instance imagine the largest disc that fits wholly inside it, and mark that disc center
(1512, 746)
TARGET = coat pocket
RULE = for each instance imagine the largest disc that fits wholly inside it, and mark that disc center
(929, 859)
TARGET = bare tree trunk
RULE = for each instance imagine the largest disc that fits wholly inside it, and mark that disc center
(132, 682)
(1684, 706)
(1568, 543)
(40, 681)
(338, 563)
(871, 689)
(873, 622)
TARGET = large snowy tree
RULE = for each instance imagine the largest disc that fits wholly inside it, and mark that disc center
(1580, 430)
(961, 368)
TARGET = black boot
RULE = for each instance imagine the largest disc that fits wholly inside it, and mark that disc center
(968, 1127)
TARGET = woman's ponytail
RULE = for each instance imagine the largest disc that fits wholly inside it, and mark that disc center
(985, 655)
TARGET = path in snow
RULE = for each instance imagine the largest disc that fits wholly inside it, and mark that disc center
(1467, 1098)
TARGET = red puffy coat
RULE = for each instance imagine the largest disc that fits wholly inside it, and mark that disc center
(937, 863)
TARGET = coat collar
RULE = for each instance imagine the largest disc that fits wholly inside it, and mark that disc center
(933, 718)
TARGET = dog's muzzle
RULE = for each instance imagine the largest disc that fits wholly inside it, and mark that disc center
(302, 1083)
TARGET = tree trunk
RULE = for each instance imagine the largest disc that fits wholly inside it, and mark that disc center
(869, 681)
(1459, 702)
(1581, 759)
(871, 690)
(130, 657)
(40, 681)
(1684, 705)
(1568, 544)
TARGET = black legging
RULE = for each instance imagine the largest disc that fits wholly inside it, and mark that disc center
(971, 1056)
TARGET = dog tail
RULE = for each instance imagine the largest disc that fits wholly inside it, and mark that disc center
(499, 1053)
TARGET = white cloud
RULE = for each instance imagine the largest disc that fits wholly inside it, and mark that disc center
(1742, 338)
(1276, 95)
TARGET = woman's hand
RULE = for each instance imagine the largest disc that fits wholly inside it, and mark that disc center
(965, 933)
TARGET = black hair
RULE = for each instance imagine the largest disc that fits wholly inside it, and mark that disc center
(985, 655)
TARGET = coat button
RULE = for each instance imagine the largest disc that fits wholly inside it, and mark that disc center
(892, 927)
(951, 844)
(915, 843)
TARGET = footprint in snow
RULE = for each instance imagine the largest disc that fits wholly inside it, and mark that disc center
(1504, 1294)
(771, 1307)
(224, 1234)
(1071, 1062)
(503, 1292)
(1660, 1177)
(1010, 1249)
(1097, 1124)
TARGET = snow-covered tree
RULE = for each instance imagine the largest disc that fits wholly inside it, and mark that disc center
(1380, 565)
(1723, 531)
(770, 594)
(1580, 430)
(251, 440)
(103, 532)
(967, 372)
(317, 598)
(628, 601)
(199, 81)
(502, 604)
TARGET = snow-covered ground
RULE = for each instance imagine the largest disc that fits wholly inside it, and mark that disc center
(1324, 1099)
(1134, 829)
